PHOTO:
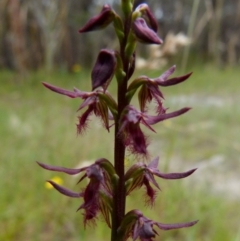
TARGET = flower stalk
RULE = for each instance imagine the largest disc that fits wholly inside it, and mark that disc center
(109, 183)
(119, 197)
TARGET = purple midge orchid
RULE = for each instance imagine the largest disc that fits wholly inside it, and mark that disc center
(109, 184)
(97, 102)
(136, 225)
(97, 195)
(149, 88)
(130, 127)
(141, 174)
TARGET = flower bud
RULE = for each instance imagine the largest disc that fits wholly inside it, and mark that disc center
(100, 21)
(144, 34)
(148, 16)
(103, 69)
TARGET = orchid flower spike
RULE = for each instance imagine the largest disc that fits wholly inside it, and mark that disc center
(97, 195)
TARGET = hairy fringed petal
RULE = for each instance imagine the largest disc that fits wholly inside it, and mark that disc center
(135, 139)
(138, 176)
(100, 109)
(98, 102)
(90, 194)
(93, 202)
(151, 193)
(103, 112)
(130, 129)
(149, 88)
(96, 105)
(141, 174)
(83, 120)
(147, 93)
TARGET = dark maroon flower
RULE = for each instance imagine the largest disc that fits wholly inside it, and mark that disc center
(103, 69)
(144, 34)
(148, 16)
(130, 129)
(136, 225)
(144, 228)
(98, 102)
(141, 174)
(148, 92)
(97, 196)
(149, 88)
(100, 21)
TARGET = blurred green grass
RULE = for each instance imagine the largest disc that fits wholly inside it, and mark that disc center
(36, 124)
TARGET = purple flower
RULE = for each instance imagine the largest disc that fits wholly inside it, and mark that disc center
(148, 92)
(149, 88)
(130, 129)
(97, 196)
(103, 69)
(147, 15)
(136, 225)
(98, 102)
(144, 228)
(141, 174)
(143, 33)
(100, 21)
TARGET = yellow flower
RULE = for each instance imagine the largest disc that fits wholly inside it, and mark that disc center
(76, 68)
(55, 179)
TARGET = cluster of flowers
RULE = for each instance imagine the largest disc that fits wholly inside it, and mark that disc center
(140, 26)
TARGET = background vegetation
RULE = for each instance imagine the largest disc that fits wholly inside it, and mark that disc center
(36, 34)
(39, 41)
(37, 124)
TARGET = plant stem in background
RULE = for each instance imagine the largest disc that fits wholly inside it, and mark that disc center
(190, 33)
